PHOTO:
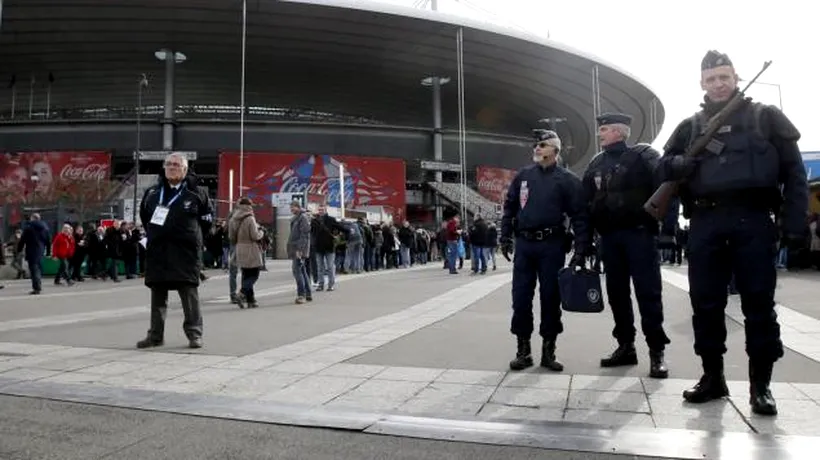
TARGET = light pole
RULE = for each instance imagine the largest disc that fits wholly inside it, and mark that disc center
(171, 59)
(435, 83)
(143, 83)
(242, 98)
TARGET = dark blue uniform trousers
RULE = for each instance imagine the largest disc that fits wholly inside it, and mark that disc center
(537, 261)
(633, 254)
(744, 242)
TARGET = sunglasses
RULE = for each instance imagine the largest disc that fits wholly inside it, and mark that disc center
(542, 145)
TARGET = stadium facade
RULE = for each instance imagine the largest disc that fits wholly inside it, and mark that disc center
(326, 83)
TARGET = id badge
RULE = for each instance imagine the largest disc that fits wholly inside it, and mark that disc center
(523, 194)
(160, 213)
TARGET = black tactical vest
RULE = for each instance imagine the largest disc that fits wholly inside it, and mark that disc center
(741, 157)
(621, 191)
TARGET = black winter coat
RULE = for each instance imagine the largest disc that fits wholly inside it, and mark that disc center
(174, 250)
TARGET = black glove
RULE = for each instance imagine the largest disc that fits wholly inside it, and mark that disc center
(506, 248)
(681, 166)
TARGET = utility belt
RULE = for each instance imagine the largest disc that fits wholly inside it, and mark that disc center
(751, 201)
(543, 234)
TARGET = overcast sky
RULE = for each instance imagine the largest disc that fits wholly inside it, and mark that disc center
(662, 43)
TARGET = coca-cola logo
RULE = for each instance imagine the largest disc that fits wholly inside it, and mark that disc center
(94, 171)
(324, 187)
(492, 185)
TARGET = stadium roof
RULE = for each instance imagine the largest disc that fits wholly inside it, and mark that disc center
(354, 58)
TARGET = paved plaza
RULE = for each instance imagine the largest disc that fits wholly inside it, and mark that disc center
(414, 353)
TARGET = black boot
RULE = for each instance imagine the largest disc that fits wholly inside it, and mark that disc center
(624, 355)
(760, 397)
(523, 357)
(712, 384)
(548, 357)
(657, 366)
(148, 342)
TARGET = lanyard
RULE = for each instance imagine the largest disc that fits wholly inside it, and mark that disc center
(162, 196)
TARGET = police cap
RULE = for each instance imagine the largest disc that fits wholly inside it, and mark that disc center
(714, 59)
(543, 135)
(614, 118)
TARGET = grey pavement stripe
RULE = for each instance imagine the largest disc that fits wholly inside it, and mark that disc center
(339, 279)
(799, 332)
(345, 343)
(655, 442)
(73, 318)
(58, 320)
(77, 291)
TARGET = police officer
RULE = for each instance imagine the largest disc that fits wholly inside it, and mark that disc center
(730, 195)
(538, 200)
(617, 183)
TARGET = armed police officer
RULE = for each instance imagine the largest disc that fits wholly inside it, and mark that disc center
(617, 183)
(750, 171)
(539, 199)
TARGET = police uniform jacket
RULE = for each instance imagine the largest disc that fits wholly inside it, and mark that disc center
(173, 251)
(617, 183)
(541, 198)
(758, 162)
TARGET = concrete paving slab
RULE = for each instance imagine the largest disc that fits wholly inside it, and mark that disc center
(277, 322)
(586, 339)
(441, 350)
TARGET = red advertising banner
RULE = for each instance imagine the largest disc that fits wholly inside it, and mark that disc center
(376, 182)
(42, 176)
(493, 182)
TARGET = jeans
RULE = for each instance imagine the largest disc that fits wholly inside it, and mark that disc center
(62, 271)
(232, 270)
(301, 277)
(326, 265)
(479, 259)
(452, 255)
(35, 266)
(354, 259)
(489, 255)
(405, 256)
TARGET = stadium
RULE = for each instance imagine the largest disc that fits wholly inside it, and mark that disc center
(408, 102)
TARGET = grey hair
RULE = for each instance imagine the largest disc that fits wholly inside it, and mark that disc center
(182, 159)
(625, 130)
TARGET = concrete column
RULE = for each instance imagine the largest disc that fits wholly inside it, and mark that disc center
(170, 103)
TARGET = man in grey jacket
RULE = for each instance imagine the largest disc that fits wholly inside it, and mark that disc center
(299, 250)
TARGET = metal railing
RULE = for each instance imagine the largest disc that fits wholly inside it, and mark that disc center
(474, 202)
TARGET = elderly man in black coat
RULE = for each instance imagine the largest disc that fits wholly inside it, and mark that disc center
(176, 215)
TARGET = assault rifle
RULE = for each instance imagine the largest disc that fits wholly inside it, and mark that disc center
(658, 203)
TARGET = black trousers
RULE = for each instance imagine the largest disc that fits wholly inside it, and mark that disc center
(632, 255)
(537, 262)
(743, 243)
(189, 296)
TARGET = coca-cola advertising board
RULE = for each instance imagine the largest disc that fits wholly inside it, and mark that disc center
(493, 182)
(368, 181)
(42, 176)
